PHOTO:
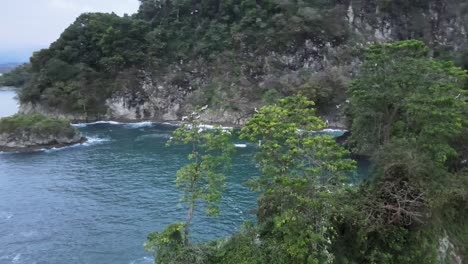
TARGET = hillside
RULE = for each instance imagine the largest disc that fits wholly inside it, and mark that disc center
(234, 56)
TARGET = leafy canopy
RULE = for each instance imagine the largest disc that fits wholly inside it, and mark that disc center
(402, 93)
(301, 172)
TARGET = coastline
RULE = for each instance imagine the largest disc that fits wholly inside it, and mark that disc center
(40, 147)
(118, 121)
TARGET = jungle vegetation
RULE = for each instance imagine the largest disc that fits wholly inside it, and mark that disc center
(408, 112)
(213, 50)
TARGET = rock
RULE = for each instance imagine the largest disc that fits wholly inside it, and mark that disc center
(31, 132)
(447, 252)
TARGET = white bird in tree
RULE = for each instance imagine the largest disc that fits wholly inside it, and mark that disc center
(204, 108)
(256, 110)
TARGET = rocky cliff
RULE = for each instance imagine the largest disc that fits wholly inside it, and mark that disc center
(237, 81)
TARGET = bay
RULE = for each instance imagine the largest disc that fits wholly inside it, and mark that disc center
(96, 203)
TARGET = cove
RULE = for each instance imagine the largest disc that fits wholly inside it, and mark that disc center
(96, 203)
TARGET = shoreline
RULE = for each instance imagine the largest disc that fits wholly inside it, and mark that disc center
(40, 147)
(119, 121)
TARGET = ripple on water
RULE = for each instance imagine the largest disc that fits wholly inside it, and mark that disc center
(97, 203)
(5, 216)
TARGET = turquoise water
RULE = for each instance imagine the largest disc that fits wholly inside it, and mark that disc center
(95, 203)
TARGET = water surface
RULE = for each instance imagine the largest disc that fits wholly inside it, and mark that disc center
(97, 202)
(8, 103)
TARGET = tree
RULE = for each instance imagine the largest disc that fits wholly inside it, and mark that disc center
(301, 172)
(402, 93)
(408, 113)
(200, 180)
(18, 77)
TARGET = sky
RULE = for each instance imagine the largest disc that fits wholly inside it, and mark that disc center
(30, 25)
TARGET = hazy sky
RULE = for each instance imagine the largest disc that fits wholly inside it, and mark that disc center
(28, 25)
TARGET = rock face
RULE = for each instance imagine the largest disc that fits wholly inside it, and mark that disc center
(28, 140)
(25, 133)
(168, 95)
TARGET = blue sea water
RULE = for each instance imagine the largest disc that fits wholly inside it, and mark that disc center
(96, 203)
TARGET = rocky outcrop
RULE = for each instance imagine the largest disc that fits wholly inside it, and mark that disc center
(27, 141)
(33, 108)
(31, 132)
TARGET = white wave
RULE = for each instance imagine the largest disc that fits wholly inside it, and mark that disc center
(143, 260)
(240, 145)
(129, 125)
(96, 123)
(213, 127)
(16, 258)
(140, 124)
(153, 136)
(94, 141)
(91, 141)
(171, 124)
(205, 126)
(5, 216)
(331, 130)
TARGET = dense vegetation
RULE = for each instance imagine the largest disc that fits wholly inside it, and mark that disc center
(225, 53)
(407, 112)
(308, 212)
(36, 124)
(18, 77)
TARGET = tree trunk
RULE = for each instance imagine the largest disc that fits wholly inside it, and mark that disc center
(187, 222)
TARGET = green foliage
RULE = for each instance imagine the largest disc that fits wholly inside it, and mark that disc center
(409, 112)
(402, 93)
(300, 172)
(37, 124)
(18, 77)
(79, 71)
(203, 179)
(168, 243)
(200, 180)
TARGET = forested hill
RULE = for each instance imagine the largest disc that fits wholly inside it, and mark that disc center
(233, 55)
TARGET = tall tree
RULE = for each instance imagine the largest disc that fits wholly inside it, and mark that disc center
(301, 172)
(201, 180)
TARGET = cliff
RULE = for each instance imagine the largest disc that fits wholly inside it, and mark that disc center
(165, 60)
